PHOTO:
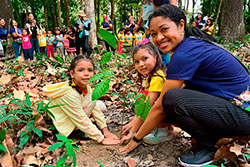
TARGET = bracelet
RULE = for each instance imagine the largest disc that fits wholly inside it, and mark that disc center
(137, 140)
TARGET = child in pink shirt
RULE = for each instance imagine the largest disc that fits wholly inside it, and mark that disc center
(27, 47)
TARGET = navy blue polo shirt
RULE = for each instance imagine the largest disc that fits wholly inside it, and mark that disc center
(208, 68)
(105, 25)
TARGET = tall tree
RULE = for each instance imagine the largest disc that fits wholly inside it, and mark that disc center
(232, 23)
(180, 4)
(46, 15)
(54, 16)
(67, 5)
(7, 8)
(59, 13)
(90, 5)
(113, 13)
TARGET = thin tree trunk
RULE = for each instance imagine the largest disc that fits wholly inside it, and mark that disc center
(232, 23)
(26, 8)
(6, 6)
(54, 16)
(187, 6)
(98, 14)
(113, 13)
(46, 15)
(218, 14)
(90, 5)
(59, 13)
(82, 4)
(67, 5)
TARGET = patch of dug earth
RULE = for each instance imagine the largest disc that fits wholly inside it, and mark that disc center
(161, 155)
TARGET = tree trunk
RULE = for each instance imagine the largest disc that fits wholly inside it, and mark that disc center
(7, 8)
(59, 13)
(54, 16)
(46, 15)
(90, 5)
(98, 15)
(232, 23)
(26, 8)
(82, 4)
(187, 6)
(113, 13)
(67, 4)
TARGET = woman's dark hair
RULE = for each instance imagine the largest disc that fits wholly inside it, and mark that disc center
(151, 48)
(160, 2)
(72, 28)
(176, 15)
(11, 22)
(57, 29)
(210, 23)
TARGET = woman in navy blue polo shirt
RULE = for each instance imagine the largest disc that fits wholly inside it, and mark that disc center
(213, 79)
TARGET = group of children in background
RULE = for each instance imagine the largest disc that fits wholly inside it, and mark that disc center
(129, 39)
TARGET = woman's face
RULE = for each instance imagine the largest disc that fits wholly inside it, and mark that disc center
(166, 34)
(14, 23)
(208, 22)
(2, 23)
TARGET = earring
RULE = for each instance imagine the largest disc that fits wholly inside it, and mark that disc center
(182, 33)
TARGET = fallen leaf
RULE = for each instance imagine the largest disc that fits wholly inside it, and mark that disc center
(5, 79)
(224, 152)
(236, 148)
(6, 160)
(224, 141)
(31, 160)
(19, 94)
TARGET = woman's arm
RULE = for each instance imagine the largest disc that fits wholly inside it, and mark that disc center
(155, 116)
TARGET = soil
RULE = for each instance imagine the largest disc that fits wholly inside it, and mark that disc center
(162, 155)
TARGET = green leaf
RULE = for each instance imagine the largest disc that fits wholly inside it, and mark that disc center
(2, 148)
(108, 72)
(248, 156)
(139, 107)
(209, 166)
(146, 110)
(108, 37)
(99, 163)
(4, 106)
(8, 95)
(27, 101)
(23, 133)
(39, 132)
(56, 146)
(30, 125)
(2, 135)
(61, 137)
(101, 89)
(96, 77)
(1, 87)
(15, 101)
(61, 161)
(20, 72)
(105, 58)
(69, 149)
(74, 158)
(24, 140)
(59, 59)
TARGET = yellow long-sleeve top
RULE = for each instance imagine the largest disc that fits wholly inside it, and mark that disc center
(76, 111)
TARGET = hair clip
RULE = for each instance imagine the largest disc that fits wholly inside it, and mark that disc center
(144, 41)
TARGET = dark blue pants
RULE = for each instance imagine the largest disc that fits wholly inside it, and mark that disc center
(35, 44)
(205, 117)
(86, 45)
(28, 54)
(17, 48)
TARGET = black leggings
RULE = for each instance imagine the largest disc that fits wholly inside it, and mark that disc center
(205, 117)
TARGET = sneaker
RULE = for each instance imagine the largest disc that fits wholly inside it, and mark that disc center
(198, 157)
(158, 135)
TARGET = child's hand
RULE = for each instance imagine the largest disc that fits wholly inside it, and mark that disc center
(111, 135)
(126, 128)
(127, 137)
(109, 141)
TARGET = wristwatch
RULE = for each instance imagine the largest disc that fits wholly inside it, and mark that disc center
(137, 140)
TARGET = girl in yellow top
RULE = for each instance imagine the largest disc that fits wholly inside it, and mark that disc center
(148, 64)
(209, 27)
(77, 97)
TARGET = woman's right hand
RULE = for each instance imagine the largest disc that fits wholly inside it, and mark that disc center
(109, 141)
(127, 137)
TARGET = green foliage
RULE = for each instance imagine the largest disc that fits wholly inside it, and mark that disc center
(108, 37)
(101, 89)
(2, 137)
(105, 58)
(142, 108)
(70, 145)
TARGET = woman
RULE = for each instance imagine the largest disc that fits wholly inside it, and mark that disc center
(16, 33)
(199, 21)
(212, 77)
(3, 34)
(209, 27)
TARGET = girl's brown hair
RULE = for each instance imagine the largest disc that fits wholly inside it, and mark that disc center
(158, 65)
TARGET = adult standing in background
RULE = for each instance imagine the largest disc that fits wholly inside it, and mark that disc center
(199, 21)
(130, 24)
(86, 29)
(16, 34)
(79, 28)
(3, 34)
(107, 25)
(34, 27)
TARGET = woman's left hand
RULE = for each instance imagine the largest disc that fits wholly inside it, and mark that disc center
(129, 147)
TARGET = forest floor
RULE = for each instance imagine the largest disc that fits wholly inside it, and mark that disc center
(18, 78)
